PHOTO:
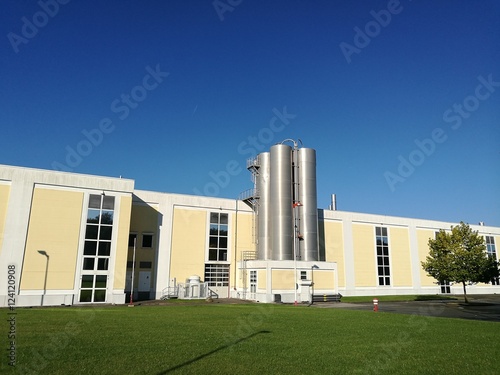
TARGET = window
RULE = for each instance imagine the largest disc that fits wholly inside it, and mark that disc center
(383, 269)
(303, 275)
(97, 248)
(492, 252)
(132, 238)
(218, 235)
(147, 240)
(253, 281)
(445, 287)
(217, 274)
(145, 264)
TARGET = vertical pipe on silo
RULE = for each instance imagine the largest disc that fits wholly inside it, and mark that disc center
(263, 210)
(281, 202)
(308, 211)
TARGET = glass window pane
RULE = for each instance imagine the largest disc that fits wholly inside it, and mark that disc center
(387, 271)
(104, 248)
(380, 281)
(378, 231)
(107, 217)
(214, 229)
(87, 281)
(88, 263)
(214, 218)
(100, 281)
(108, 203)
(386, 251)
(147, 240)
(100, 296)
(384, 232)
(86, 296)
(94, 201)
(380, 261)
(223, 242)
(102, 264)
(93, 216)
(212, 242)
(385, 241)
(91, 232)
(90, 248)
(131, 238)
(380, 271)
(379, 250)
(223, 255)
(387, 281)
(223, 218)
(212, 254)
(105, 233)
(223, 230)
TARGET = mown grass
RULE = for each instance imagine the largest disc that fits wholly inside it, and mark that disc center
(247, 339)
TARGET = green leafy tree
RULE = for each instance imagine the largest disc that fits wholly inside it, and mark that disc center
(460, 257)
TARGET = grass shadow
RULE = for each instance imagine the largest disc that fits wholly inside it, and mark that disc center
(200, 357)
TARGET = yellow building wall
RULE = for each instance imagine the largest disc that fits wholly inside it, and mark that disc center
(189, 238)
(334, 247)
(423, 236)
(54, 226)
(399, 253)
(282, 279)
(143, 219)
(363, 239)
(245, 239)
(261, 279)
(122, 243)
(324, 279)
(4, 201)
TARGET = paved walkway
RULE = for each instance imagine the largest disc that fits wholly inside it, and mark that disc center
(480, 307)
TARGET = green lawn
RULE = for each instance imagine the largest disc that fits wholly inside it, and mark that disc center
(246, 339)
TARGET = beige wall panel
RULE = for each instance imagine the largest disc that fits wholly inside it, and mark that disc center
(245, 234)
(261, 279)
(283, 280)
(334, 248)
(189, 240)
(324, 279)
(363, 239)
(423, 236)
(54, 226)
(4, 201)
(399, 253)
(122, 243)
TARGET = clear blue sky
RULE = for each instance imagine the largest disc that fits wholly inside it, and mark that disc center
(360, 82)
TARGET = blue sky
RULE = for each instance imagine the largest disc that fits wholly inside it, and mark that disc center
(399, 99)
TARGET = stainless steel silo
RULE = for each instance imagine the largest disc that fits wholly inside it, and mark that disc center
(281, 202)
(308, 211)
(263, 186)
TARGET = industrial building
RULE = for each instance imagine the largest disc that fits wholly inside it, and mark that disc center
(68, 238)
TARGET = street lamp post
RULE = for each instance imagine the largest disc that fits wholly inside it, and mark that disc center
(44, 253)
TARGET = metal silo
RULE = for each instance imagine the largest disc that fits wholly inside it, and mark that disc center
(308, 211)
(263, 185)
(281, 202)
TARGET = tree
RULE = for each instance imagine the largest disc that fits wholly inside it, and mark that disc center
(460, 257)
